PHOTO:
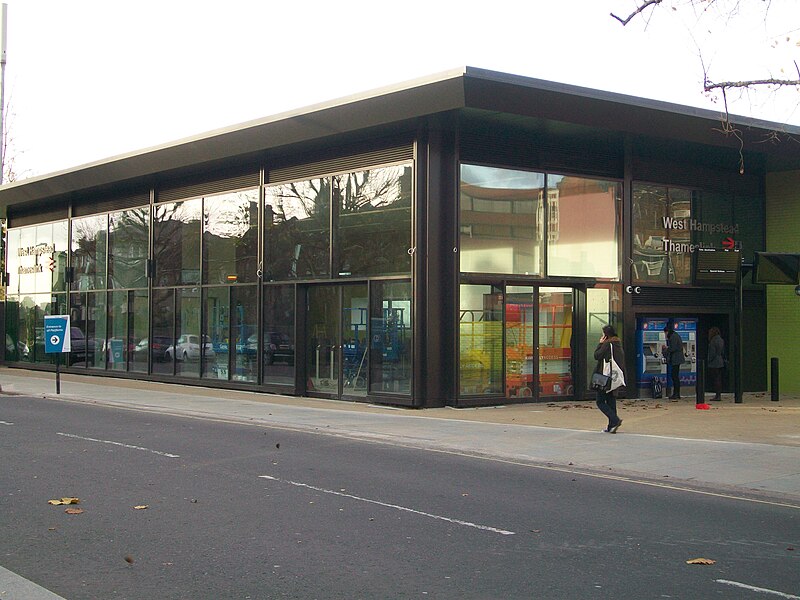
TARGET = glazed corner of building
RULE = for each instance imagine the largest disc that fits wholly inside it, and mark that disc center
(523, 215)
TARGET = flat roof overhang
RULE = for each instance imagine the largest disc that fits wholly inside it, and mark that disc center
(403, 104)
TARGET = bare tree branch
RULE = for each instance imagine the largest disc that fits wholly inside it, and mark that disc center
(643, 6)
(727, 85)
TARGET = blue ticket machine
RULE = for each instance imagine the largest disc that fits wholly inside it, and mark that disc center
(650, 360)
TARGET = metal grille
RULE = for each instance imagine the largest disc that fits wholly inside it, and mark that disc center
(92, 206)
(341, 164)
(170, 193)
(34, 215)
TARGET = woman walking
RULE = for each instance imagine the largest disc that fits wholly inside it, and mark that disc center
(716, 360)
(606, 402)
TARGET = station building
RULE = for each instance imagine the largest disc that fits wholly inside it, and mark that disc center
(457, 240)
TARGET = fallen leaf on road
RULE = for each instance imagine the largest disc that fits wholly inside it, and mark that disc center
(141, 507)
(64, 501)
(73, 511)
(701, 561)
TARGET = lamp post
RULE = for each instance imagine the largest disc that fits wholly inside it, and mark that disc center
(3, 30)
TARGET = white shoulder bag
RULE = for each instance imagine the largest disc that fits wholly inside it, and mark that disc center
(613, 370)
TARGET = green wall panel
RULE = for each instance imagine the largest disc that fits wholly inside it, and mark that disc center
(783, 305)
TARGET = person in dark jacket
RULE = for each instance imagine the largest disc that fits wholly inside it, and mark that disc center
(716, 361)
(606, 402)
(673, 352)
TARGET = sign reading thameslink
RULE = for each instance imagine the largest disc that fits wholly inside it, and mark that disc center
(692, 225)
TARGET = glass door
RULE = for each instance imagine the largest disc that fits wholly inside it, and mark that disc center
(555, 341)
(337, 357)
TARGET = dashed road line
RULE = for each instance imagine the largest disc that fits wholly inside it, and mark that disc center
(113, 443)
(387, 505)
(753, 588)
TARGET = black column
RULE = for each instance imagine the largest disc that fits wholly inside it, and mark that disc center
(435, 352)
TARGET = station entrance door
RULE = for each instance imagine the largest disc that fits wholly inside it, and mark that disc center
(337, 346)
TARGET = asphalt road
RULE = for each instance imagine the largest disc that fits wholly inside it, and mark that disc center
(238, 511)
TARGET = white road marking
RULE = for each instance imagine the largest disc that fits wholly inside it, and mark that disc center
(16, 586)
(5, 423)
(88, 439)
(394, 506)
(753, 588)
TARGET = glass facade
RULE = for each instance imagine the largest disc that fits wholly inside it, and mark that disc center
(175, 289)
(305, 285)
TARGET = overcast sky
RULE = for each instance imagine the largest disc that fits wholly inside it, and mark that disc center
(90, 79)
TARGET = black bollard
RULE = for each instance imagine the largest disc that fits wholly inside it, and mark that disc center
(773, 385)
(700, 389)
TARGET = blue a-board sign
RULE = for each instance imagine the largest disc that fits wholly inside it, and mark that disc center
(56, 334)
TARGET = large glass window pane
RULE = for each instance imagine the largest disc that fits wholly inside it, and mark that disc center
(128, 243)
(89, 244)
(118, 342)
(79, 333)
(161, 345)
(245, 333)
(519, 341)
(139, 322)
(500, 223)
(230, 237)
(176, 242)
(217, 330)
(37, 258)
(374, 222)
(189, 348)
(583, 225)
(297, 230)
(555, 341)
(14, 261)
(603, 307)
(34, 308)
(390, 365)
(481, 340)
(279, 337)
(16, 347)
(96, 330)
(661, 234)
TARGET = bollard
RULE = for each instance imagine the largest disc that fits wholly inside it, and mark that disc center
(700, 389)
(773, 385)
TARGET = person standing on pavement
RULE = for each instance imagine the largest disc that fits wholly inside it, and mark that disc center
(673, 352)
(606, 402)
(716, 361)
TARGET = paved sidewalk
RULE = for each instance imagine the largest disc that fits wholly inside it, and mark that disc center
(752, 448)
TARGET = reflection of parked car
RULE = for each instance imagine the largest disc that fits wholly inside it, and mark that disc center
(188, 348)
(278, 347)
(159, 346)
(81, 349)
(18, 351)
